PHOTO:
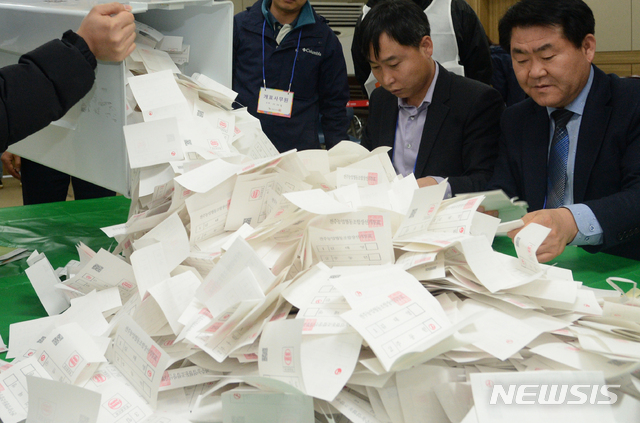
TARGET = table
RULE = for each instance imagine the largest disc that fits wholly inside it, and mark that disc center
(56, 228)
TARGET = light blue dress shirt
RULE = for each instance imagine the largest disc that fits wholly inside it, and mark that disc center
(589, 229)
(408, 135)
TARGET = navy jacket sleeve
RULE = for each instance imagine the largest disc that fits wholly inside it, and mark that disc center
(473, 45)
(43, 86)
(334, 95)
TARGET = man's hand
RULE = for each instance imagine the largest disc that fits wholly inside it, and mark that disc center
(109, 31)
(12, 163)
(494, 213)
(427, 181)
(563, 231)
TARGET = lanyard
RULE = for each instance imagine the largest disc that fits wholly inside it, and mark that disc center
(264, 77)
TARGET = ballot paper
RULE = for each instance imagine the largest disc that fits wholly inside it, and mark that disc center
(44, 279)
(57, 402)
(328, 360)
(68, 352)
(152, 143)
(319, 302)
(399, 299)
(423, 209)
(14, 397)
(357, 238)
(397, 321)
(527, 242)
(105, 271)
(250, 404)
(509, 208)
(139, 359)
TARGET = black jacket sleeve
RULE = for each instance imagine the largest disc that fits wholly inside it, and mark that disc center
(43, 86)
(473, 45)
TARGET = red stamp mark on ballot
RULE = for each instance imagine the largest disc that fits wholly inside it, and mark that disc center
(375, 221)
(367, 236)
(74, 360)
(309, 324)
(288, 357)
(399, 298)
(115, 403)
(470, 204)
(372, 178)
(166, 380)
(153, 356)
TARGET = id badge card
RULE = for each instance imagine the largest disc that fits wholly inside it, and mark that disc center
(275, 102)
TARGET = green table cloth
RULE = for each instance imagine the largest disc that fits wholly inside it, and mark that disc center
(56, 228)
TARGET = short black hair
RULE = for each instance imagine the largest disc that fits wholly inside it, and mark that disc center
(573, 16)
(402, 20)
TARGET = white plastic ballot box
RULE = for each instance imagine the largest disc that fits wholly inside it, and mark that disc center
(90, 143)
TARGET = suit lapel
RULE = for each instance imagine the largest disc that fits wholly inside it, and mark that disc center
(388, 120)
(535, 145)
(436, 114)
(593, 127)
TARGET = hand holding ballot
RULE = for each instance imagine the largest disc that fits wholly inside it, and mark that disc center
(109, 31)
(563, 231)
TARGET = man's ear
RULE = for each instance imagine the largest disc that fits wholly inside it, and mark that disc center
(426, 45)
(589, 47)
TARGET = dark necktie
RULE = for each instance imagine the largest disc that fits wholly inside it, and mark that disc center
(558, 154)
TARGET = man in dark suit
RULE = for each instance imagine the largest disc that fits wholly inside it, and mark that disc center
(440, 125)
(580, 173)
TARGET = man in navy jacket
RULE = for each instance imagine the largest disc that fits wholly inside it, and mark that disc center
(284, 45)
(552, 45)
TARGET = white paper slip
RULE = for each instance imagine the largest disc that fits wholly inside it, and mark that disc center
(14, 397)
(352, 239)
(67, 352)
(171, 234)
(527, 242)
(139, 359)
(354, 408)
(422, 211)
(398, 323)
(105, 271)
(43, 278)
(280, 355)
(253, 405)
(156, 60)
(456, 216)
(239, 256)
(317, 201)
(152, 143)
(57, 402)
(506, 227)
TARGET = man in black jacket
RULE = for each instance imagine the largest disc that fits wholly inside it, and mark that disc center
(471, 40)
(48, 81)
(439, 124)
(572, 149)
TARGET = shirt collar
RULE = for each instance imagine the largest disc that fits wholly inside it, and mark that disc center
(577, 105)
(428, 96)
(304, 18)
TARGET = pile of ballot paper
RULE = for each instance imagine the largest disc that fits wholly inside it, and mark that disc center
(312, 286)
